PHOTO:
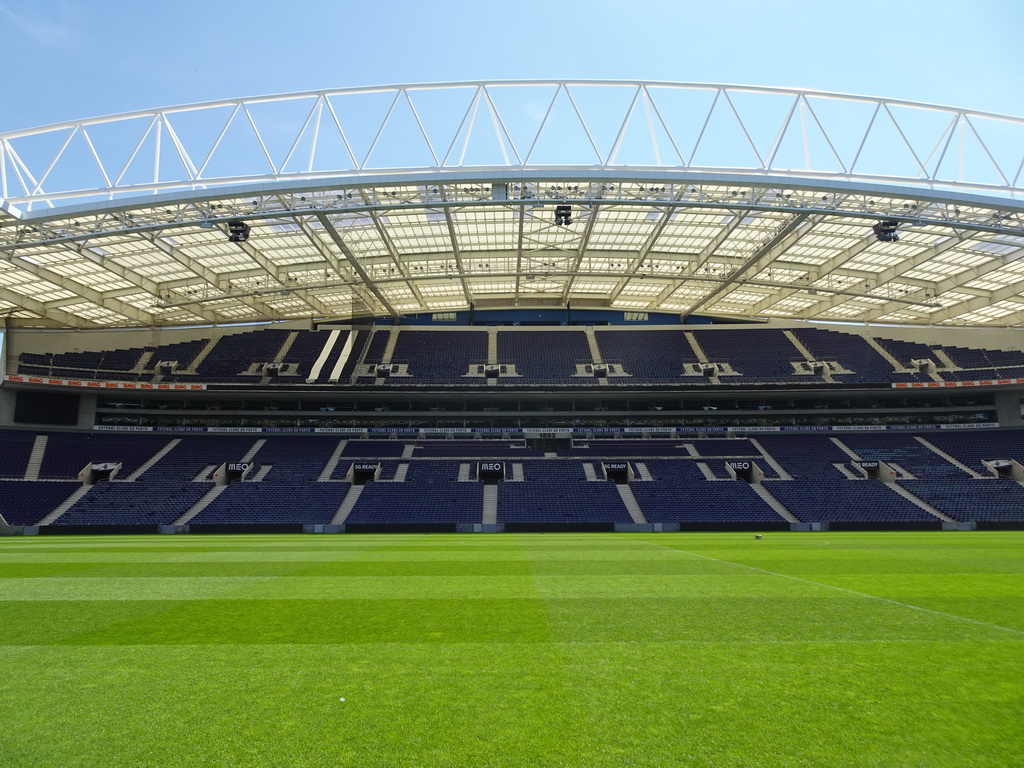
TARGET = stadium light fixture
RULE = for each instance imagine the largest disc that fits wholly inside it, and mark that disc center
(238, 231)
(563, 215)
(885, 231)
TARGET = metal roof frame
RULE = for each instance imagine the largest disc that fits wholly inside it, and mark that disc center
(672, 235)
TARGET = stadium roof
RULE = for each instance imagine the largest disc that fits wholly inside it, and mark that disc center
(684, 198)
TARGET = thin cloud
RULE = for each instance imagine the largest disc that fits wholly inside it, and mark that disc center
(45, 33)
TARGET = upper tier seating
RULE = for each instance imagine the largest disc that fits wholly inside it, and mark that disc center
(985, 358)
(545, 356)
(183, 353)
(655, 355)
(906, 351)
(852, 352)
(763, 354)
(234, 355)
(439, 356)
(378, 343)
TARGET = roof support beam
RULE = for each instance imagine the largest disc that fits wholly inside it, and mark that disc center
(335, 264)
(457, 254)
(395, 258)
(34, 305)
(273, 270)
(335, 236)
(894, 272)
(520, 241)
(581, 251)
(130, 276)
(816, 273)
(645, 249)
(985, 298)
(978, 302)
(212, 279)
(785, 236)
(703, 257)
(83, 292)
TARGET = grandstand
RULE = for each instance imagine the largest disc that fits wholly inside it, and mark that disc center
(487, 342)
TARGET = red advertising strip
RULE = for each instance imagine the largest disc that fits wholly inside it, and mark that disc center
(943, 384)
(103, 384)
(198, 387)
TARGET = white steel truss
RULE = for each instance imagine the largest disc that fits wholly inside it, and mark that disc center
(609, 125)
(343, 224)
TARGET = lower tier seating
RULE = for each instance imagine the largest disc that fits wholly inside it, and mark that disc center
(307, 480)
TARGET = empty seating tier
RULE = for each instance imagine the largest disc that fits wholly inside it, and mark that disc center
(306, 479)
(533, 357)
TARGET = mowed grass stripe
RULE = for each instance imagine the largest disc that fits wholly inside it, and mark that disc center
(626, 565)
(509, 705)
(1016, 598)
(337, 553)
(636, 620)
(504, 651)
(407, 587)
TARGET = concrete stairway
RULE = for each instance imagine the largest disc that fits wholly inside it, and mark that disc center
(490, 506)
(389, 350)
(35, 460)
(321, 359)
(632, 505)
(946, 457)
(896, 366)
(779, 469)
(774, 503)
(347, 504)
(153, 460)
(642, 472)
(202, 504)
(346, 353)
(492, 346)
(286, 347)
(67, 504)
(897, 488)
(206, 350)
(332, 463)
(595, 351)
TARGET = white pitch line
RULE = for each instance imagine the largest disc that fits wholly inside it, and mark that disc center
(841, 589)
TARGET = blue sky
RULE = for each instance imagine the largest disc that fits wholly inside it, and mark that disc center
(67, 59)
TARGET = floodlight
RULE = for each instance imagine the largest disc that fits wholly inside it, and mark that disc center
(238, 231)
(885, 231)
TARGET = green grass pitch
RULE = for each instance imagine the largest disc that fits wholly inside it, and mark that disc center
(803, 649)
